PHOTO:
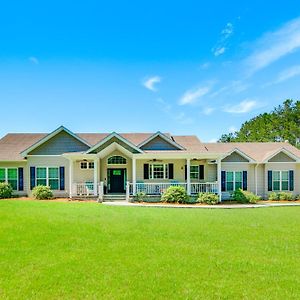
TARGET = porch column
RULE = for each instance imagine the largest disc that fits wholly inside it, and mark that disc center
(96, 171)
(70, 177)
(256, 189)
(188, 176)
(219, 169)
(134, 176)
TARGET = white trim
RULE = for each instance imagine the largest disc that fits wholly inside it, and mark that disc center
(280, 180)
(133, 176)
(188, 176)
(286, 152)
(47, 176)
(110, 136)
(51, 135)
(164, 137)
(115, 163)
(234, 181)
(250, 159)
(6, 175)
(219, 179)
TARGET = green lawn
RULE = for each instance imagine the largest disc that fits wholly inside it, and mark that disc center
(54, 250)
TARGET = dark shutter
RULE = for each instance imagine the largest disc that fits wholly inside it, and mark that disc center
(185, 172)
(270, 181)
(291, 180)
(21, 179)
(223, 181)
(32, 177)
(171, 171)
(146, 171)
(245, 180)
(62, 178)
(201, 172)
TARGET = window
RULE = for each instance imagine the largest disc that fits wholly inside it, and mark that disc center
(194, 171)
(9, 175)
(116, 160)
(86, 165)
(234, 181)
(280, 180)
(48, 176)
(158, 171)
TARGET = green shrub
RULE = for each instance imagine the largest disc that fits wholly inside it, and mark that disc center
(285, 196)
(241, 196)
(208, 198)
(297, 197)
(6, 190)
(140, 196)
(175, 194)
(42, 192)
(273, 196)
(281, 196)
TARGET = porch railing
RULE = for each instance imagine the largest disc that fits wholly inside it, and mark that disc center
(205, 187)
(83, 189)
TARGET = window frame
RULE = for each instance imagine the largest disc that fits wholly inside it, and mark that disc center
(90, 165)
(47, 176)
(116, 163)
(195, 172)
(6, 176)
(281, 180)
(165, 171)
(234, 182)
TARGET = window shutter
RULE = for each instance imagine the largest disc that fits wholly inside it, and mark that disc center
(21, 179)
(32, 177)
(171, 171)
(223, 181)
(291, 180)
(270, 180)
(146, 171)
(245, 180)
(62, 178)
(185, 172)
(201, 172)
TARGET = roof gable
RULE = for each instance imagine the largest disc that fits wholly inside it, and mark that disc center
(160, 141)
(282, 155)
(59, 141)
(114, 138)
(237, 156)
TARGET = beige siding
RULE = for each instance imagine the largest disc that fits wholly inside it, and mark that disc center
(48, 161)
(261, 189)
(235, 157)
(82, 175)
(18, 165)
(283, 167)
(104, 166)
(281, 157)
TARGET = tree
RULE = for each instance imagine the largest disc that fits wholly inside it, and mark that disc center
(281, 124)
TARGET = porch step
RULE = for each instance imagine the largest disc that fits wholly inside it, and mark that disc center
(85, 198)
(114, 197)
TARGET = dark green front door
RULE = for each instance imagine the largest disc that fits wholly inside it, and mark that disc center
(116, 180)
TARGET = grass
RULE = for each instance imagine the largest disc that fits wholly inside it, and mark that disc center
(55, 250)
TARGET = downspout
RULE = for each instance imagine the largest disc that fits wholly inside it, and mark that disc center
(256, 189)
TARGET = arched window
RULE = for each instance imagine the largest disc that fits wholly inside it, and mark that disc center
(116, 160)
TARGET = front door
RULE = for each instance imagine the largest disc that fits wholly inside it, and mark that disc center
(116, 180)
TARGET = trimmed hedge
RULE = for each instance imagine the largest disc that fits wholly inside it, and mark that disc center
(42, 192)
(241, 196)
(208, 198)
(175, 194)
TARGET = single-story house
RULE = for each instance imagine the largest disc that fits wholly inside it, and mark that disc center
(102, 165)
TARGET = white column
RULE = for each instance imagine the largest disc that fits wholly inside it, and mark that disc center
(96, 171)
(134, 176)
(256, 190)
(219, 171)
(70, 177)
(188, 175)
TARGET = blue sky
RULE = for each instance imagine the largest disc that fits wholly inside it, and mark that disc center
(176, 66)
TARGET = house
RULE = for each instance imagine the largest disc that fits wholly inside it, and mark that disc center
(106, 164)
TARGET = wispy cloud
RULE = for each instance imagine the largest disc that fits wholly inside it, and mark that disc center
(182, 118)
(205, 66)
(233, 87)
(193, 96)
(274, 45)
(245, 106)
(150, 83)
(288, 73)
(208, 110)
(221, 47)
(33, 60)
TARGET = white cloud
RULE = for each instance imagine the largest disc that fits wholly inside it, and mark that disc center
(150, 83)
(288, 73)
(242, 107)
(208, 110)
(274, 45)
(226, 33)
(233, 87)
(219, 51)
(212, 141)
(192, 96)
(33, 60)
